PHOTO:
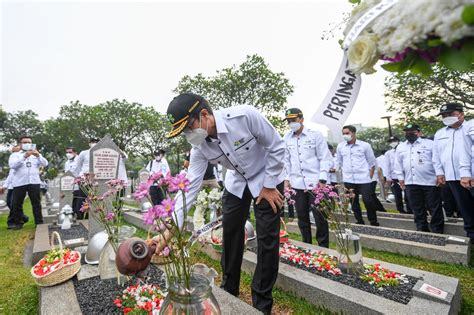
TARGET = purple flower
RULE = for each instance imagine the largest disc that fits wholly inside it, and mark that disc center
(110, 216)
(151, 215)
(166, 208)
(166, 251)
(179, 182)
(142, 191)
(155, 177)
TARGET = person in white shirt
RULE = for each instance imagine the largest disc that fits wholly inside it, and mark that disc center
(391, 177)
(71, 156)
(158, 164)
(243, 141)
(333, 167)
(81, 167)
(26, 179)
(416, 175)
(307, 163)
(467, 158)
(357, 161)
(8, 185)
(448, 147)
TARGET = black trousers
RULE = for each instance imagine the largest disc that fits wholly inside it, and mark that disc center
(305, 205)
(465, 204)
(9, 202)
(19, 194)
(397, 193)
(156, 195)
(291, 211)
(78, 198)
(235, 213)
(366, 190)
(376, 200)
(424, 198)
(448, 201)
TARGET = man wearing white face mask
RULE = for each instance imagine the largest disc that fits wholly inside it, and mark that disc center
(448, 147)
(26, 164)
(82, 166)
(242, 140)
(307, 164)
(357, 162)
(71, 161)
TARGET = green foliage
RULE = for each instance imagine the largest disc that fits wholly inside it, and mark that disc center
(468, 14)
(21, 123)
(417, 98)
(378, 138)
(250, 83)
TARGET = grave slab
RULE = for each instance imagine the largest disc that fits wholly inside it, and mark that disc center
(449, 253)
(338, 297)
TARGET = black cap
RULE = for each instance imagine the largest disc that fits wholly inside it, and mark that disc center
(393, 139)
(293, 113)
(159, 151)
(450, 107)
(411, 127)
(93, 140)
(181, 109)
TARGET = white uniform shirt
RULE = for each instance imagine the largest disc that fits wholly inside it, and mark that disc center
(155, 166)
(70, 165)
(390, 156)
(8, 184)
(333, 176)
(448, 145)
(380, 162)
(26, 169)
(82, 165)
(413, 162)
(247, 145)
(355, 160)
(466, 163)
(307, 158)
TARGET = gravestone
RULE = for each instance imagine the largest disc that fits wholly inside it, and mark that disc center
(143, 176)
(66, 187)
(104, 161)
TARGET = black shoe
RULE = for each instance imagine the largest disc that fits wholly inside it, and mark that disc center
(374, 223)
(16, 227)
(26, 219)
(360, 222)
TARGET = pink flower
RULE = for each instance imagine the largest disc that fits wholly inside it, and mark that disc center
(166, 208)
(142, 192)
(151, 215)
(166, 251)
(155, 177)
(110, 216)
(179, 182)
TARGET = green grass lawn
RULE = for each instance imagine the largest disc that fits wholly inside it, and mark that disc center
(19, 294)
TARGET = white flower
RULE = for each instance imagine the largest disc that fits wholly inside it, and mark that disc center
(362, 54)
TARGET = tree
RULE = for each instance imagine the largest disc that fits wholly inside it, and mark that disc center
(415, 97)
(21, 123)
(251, 83)
(378, 138)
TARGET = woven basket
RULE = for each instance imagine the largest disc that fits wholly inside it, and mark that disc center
(283, 233)
(63, 273)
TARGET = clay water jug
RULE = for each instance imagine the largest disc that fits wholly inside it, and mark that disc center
(134, 255)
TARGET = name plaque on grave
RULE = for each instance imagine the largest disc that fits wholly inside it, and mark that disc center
(143, 176)
(67, 183)
(431, 290)
(105, 163)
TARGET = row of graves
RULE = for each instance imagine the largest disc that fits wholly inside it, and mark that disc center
(339, 280)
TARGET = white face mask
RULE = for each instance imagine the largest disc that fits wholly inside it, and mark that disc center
(197, 136)
(69, 156)
(26, 146)
(347, 137)
(158, 157)
(393, 144)
(294, 126)
(450, 120)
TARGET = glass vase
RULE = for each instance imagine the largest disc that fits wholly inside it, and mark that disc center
(107, 266)
(349, 251)
(199, 299)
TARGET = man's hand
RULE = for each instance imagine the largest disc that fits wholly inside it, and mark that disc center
(35, 153)
(160, 241)
(440, 180)
(402, 184)
(273, 196)
(2, 190)
(467, 182)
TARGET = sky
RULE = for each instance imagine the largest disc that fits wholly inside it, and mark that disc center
(60, 51)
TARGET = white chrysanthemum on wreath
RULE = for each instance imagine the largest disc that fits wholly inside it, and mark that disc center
(205, 202)
(362, 54)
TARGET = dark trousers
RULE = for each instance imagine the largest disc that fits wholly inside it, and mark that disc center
(19, 194)
(9, 202)
(397, 193)
(448, 201)
(377, 203)
(156, 195)
(424, 198)
(305, 205)
(366, 190)
(465, 204)
(291, 211)
(235, 213)
(78, 198)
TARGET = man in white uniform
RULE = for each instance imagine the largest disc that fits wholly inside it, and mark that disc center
(243, 141)
(307, 163)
